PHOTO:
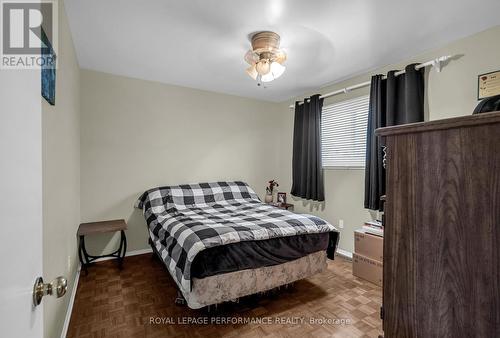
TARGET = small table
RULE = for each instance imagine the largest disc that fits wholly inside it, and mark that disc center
(100, 228)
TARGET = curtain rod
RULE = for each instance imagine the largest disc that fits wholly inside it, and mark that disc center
(436, 63)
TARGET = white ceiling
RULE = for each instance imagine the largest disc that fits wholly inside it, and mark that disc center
(201, 43)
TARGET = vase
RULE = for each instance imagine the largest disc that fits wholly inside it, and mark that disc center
(268, 198)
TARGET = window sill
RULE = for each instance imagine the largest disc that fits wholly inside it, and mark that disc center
(343, 168)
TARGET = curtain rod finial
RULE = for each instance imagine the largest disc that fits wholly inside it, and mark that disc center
(438, 62)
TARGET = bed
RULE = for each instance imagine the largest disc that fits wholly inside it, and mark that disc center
(220, 242)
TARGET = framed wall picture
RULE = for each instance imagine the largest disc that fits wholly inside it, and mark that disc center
(282, 197)
(48, 70)
(488, 85)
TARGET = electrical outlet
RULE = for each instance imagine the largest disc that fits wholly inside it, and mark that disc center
(341, 223)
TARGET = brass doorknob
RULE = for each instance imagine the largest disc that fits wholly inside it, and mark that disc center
(57, 288)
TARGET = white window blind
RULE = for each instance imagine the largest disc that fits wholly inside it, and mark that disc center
(343, 133)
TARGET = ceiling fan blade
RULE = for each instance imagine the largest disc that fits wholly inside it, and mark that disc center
(280, 57)
(252, 72)
(251, 58)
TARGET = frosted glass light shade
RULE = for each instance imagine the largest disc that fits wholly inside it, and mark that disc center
(263, 67)
(276, 70)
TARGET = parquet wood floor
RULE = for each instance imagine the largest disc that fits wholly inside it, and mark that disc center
(114, 303)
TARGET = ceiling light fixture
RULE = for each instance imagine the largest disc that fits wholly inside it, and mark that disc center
(265, 58)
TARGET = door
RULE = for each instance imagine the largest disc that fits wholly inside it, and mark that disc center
(20, 202)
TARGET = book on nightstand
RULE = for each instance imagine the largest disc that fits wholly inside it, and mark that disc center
(374, 228)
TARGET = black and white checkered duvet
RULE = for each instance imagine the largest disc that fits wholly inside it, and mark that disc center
(186, 219)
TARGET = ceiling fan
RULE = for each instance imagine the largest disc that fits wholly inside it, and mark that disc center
(265, 58)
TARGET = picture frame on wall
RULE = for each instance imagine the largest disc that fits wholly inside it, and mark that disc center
(48, 72)
(488, 85)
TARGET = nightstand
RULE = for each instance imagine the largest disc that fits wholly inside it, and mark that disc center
(285, 206)
(100, 228)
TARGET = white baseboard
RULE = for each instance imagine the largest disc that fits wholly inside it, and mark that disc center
(129, 253)
(344, 253)
(139, 252)
(75, 286)
(71, 301)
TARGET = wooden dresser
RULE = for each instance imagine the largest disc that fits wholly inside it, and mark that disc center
(441, 274)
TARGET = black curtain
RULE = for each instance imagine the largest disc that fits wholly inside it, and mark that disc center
(393, 101)
(307, 169)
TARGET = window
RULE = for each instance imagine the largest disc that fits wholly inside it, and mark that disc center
(343, 133)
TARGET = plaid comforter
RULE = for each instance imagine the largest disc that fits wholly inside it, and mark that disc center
(186, 219)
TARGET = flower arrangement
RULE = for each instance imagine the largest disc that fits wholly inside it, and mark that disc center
(270, 187)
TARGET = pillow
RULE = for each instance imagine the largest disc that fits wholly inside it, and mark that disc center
(209, 193)
(156, 196)
(184, 195)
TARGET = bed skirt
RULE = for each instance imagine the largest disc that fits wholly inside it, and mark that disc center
(231, 286)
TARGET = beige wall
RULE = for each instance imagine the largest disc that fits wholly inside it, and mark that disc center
(61, 178)
(450, 93)
(138, 134)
